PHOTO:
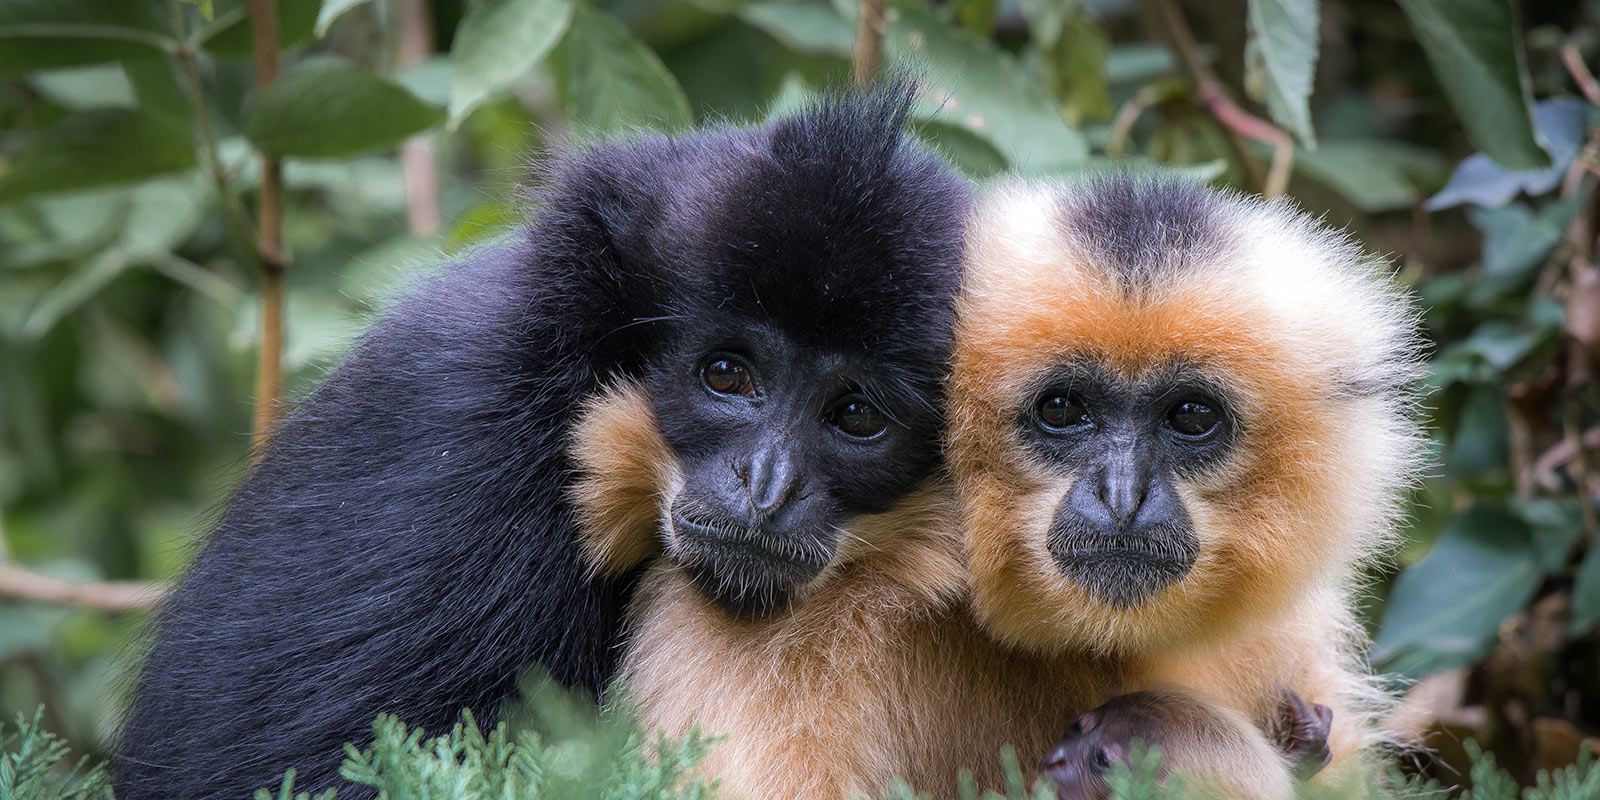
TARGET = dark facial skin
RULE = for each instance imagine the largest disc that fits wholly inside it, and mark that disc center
(1184, 729)
(781, 448)
(1121, 531)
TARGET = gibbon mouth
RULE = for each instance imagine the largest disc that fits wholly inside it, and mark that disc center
(1123, 570)
(748, 571)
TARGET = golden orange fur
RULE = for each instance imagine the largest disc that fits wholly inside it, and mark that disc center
(880, 672)
(1311, 337)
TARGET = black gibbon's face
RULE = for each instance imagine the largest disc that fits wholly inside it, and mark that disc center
(779, 449)
(1121, 530)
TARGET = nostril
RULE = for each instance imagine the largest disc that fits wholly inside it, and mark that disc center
(1056, 758)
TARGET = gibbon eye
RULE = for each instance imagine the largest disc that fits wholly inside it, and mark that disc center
(1060, 412)
(726, 376)
(856, 417)
(1102, 759)
(1193, 418)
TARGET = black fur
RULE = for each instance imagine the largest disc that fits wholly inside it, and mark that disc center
(405, 545)
(1147, 228)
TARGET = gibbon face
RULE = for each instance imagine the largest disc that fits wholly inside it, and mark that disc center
(796, 382)
(1171, 408)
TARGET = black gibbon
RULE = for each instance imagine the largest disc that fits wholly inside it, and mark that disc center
(1178, 427)
(1181, 423)
(1203, 742)
(783, 294)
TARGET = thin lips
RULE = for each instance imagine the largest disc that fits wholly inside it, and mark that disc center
(740, 542)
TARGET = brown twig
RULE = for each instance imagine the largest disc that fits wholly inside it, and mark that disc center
(869, 41)
(418, 167)
(1237, 124)
(23, 584)
(1143, 100)
(1580, 72)
(269, 240)
(1236, 119)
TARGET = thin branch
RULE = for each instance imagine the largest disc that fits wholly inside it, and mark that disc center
(418, 162)
(23, 584)
(1207, 85)
(1236, 119)
(1580, 72)
(269, 243)
(1146, 98)
(233, 212)
(869, 41)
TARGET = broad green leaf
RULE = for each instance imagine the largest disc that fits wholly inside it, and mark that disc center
(1075, 68)
(328, 108)
(331, 11)
(967, 151)
(610, 82)
(813, 26)
(792, 97)
(1554, 526)
(1283, 34)
(97, 148)
(1475, 47)
(498, 43)
(1516, 241)
(976, 15)
(1445, 609)
(1586, 593)
(86, 87)
(1373, 174)
(231, 35)
(41, 34)
(77, 289)
(1481, 182)
(979, 87)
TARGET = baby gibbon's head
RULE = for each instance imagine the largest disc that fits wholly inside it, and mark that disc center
(1172, 410)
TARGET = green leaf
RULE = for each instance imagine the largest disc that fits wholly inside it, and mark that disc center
(1373, 174)
(1481, 182)
(40, 34)
(965, 150)
(97, 148)
(810, 26)
(977, 15)
(1075, 68)
(77, 289)
(231, 35)
(498, 43)
(611, 82)
(332, 11)
(1283, 34)
(1444, 611)
(328, 108)
(1476, 50)
(1586, 594)
(987, 94)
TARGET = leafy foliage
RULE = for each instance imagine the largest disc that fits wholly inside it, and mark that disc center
(130, 132)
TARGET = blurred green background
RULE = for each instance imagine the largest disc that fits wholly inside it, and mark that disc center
(1460, 137)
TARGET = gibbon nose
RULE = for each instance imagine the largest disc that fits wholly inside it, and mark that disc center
(771, 480)
(1123, 486)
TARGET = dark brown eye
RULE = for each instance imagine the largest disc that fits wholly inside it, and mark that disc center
(1193, 418)
(1060, 412)
(1102, 759)
(726, 376)
(857, 417)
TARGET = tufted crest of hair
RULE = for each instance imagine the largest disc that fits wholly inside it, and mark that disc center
(1313, 343)
(408, 542)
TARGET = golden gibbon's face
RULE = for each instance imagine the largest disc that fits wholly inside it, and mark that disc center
(1170, 409)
